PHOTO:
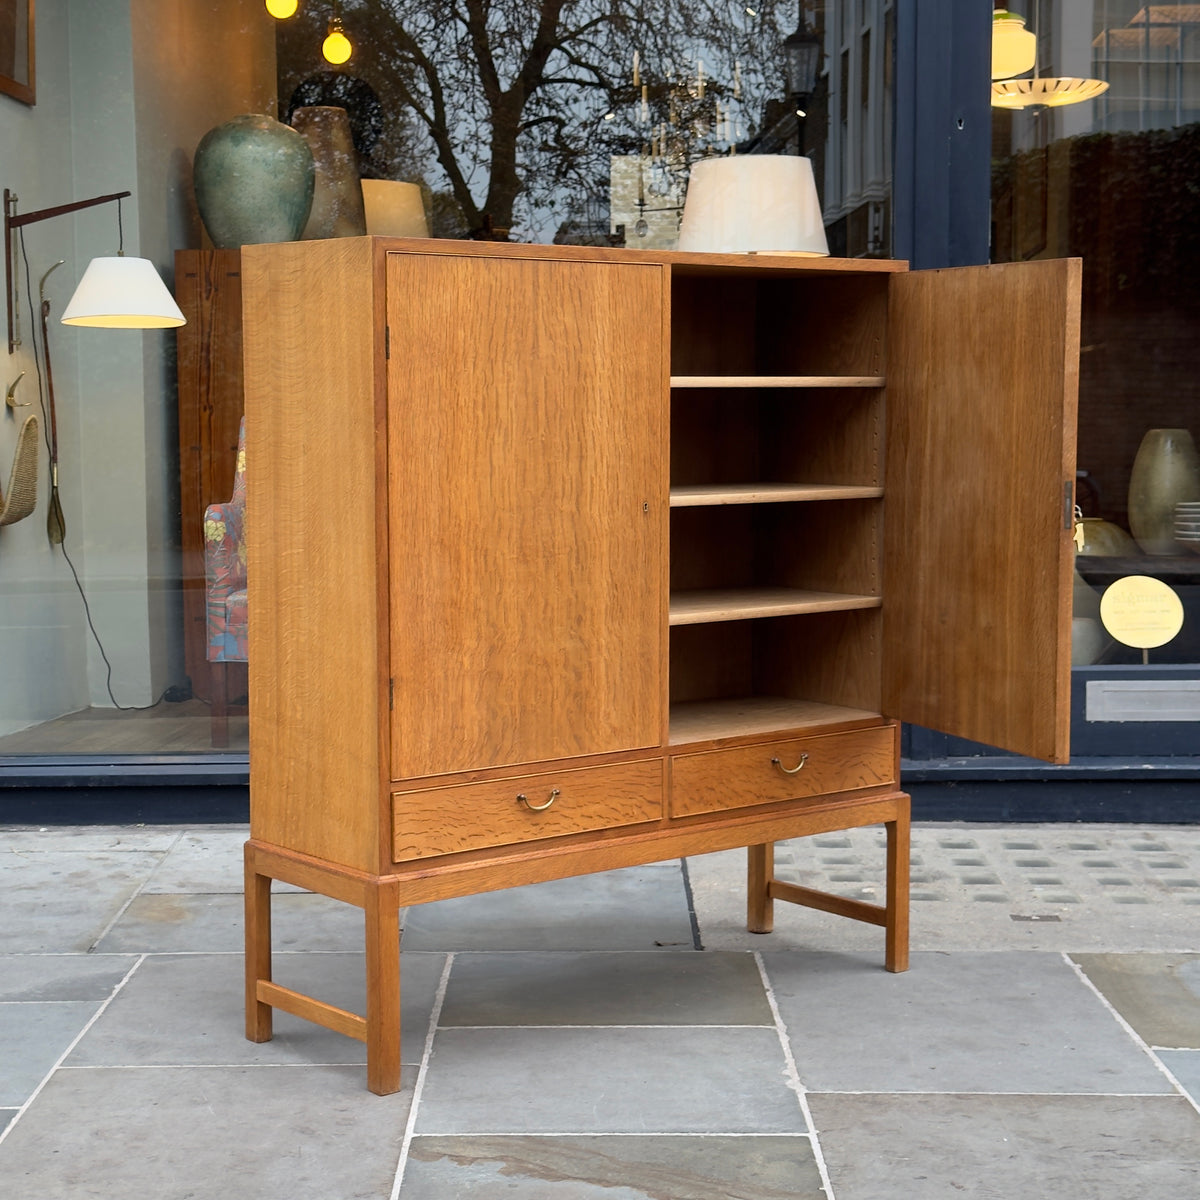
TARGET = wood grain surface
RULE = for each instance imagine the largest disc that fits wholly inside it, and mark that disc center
(983, 367)
(527, 510)
(745, 775)
(310, 346)
(475, 815)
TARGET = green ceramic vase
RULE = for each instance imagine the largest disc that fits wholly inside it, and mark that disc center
(1165, 472)
(253, 178)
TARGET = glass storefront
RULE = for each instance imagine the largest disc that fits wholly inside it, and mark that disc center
(1113, 180)
(581, 131)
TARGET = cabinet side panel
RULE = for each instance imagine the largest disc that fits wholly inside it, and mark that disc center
(527, 489)
(311, 516)
(982, 381)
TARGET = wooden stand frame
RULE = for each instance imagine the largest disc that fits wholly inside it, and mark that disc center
(381, 897)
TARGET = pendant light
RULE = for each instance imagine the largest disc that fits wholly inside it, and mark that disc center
(1045, 92)
(336, 48)
(1040, 91)
(282, 9)
(1014, 48)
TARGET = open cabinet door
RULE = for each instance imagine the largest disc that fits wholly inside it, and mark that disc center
(982, 383)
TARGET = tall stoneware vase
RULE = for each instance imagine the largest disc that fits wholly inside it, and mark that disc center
(337, 208)
(1165, 471)
(253, 178)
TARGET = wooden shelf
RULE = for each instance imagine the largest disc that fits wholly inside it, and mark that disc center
(777, 381)
(698, 495)
(710, 720)
(701, 607)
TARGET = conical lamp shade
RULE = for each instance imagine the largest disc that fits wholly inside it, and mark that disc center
(758, 202)
(122, 293)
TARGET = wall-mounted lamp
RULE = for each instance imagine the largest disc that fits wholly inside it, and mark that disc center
(114, 293)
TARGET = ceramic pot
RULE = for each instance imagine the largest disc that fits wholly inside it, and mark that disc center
(1165, 472)
(1089, 639)
(337, 207)
(253, 179)
(1104, 539)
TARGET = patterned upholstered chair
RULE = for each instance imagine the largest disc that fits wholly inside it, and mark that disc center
(225, 590)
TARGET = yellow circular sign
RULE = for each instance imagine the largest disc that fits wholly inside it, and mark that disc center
(1140, 611)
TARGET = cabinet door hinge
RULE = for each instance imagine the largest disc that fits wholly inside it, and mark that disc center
(387, 341)
(391, 694)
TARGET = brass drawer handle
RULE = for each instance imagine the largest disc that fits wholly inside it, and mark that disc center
(791, 770)
(524, 799)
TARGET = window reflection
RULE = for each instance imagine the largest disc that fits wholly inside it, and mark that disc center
(1112, 180)
(578, 132)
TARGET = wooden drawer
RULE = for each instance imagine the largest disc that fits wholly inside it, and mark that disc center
(834, 762)
(473, 816)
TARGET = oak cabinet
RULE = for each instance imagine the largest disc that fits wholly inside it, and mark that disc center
(566, 559)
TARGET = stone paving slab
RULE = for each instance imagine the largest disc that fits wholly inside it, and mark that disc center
(187, 1010)
(612, 1168)
(636, 908)
(615, 988)
(608, 1079)
(62, 900)
(971, 1021)
(205, 1133)
(1158, 994)
(945, 1147)
(1036, 887)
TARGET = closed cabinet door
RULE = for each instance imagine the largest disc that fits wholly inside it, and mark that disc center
(526, 435)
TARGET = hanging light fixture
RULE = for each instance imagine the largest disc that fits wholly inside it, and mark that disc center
(1040, 91)
(1014, 48)
(1045, 92)
(336, 48)
(282, 9)
(122, 293)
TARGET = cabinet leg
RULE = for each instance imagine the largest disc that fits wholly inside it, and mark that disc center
(383, 990)
(896, 929)
(760, 870)
(258, 948)
(219, 703)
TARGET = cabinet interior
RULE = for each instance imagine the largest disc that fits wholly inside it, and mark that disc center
(776, 529)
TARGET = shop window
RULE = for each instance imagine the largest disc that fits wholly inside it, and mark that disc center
(1112, 180)
(104, 638)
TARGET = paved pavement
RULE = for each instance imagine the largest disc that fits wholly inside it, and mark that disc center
(618, 1036)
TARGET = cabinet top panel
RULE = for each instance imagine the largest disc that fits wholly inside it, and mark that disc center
(690, 263)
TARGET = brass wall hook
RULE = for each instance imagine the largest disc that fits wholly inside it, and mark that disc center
(10, 397)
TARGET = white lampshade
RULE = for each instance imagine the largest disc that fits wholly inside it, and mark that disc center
(122, 293)
(1014, 48)
(761, 202)
(394, 209)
